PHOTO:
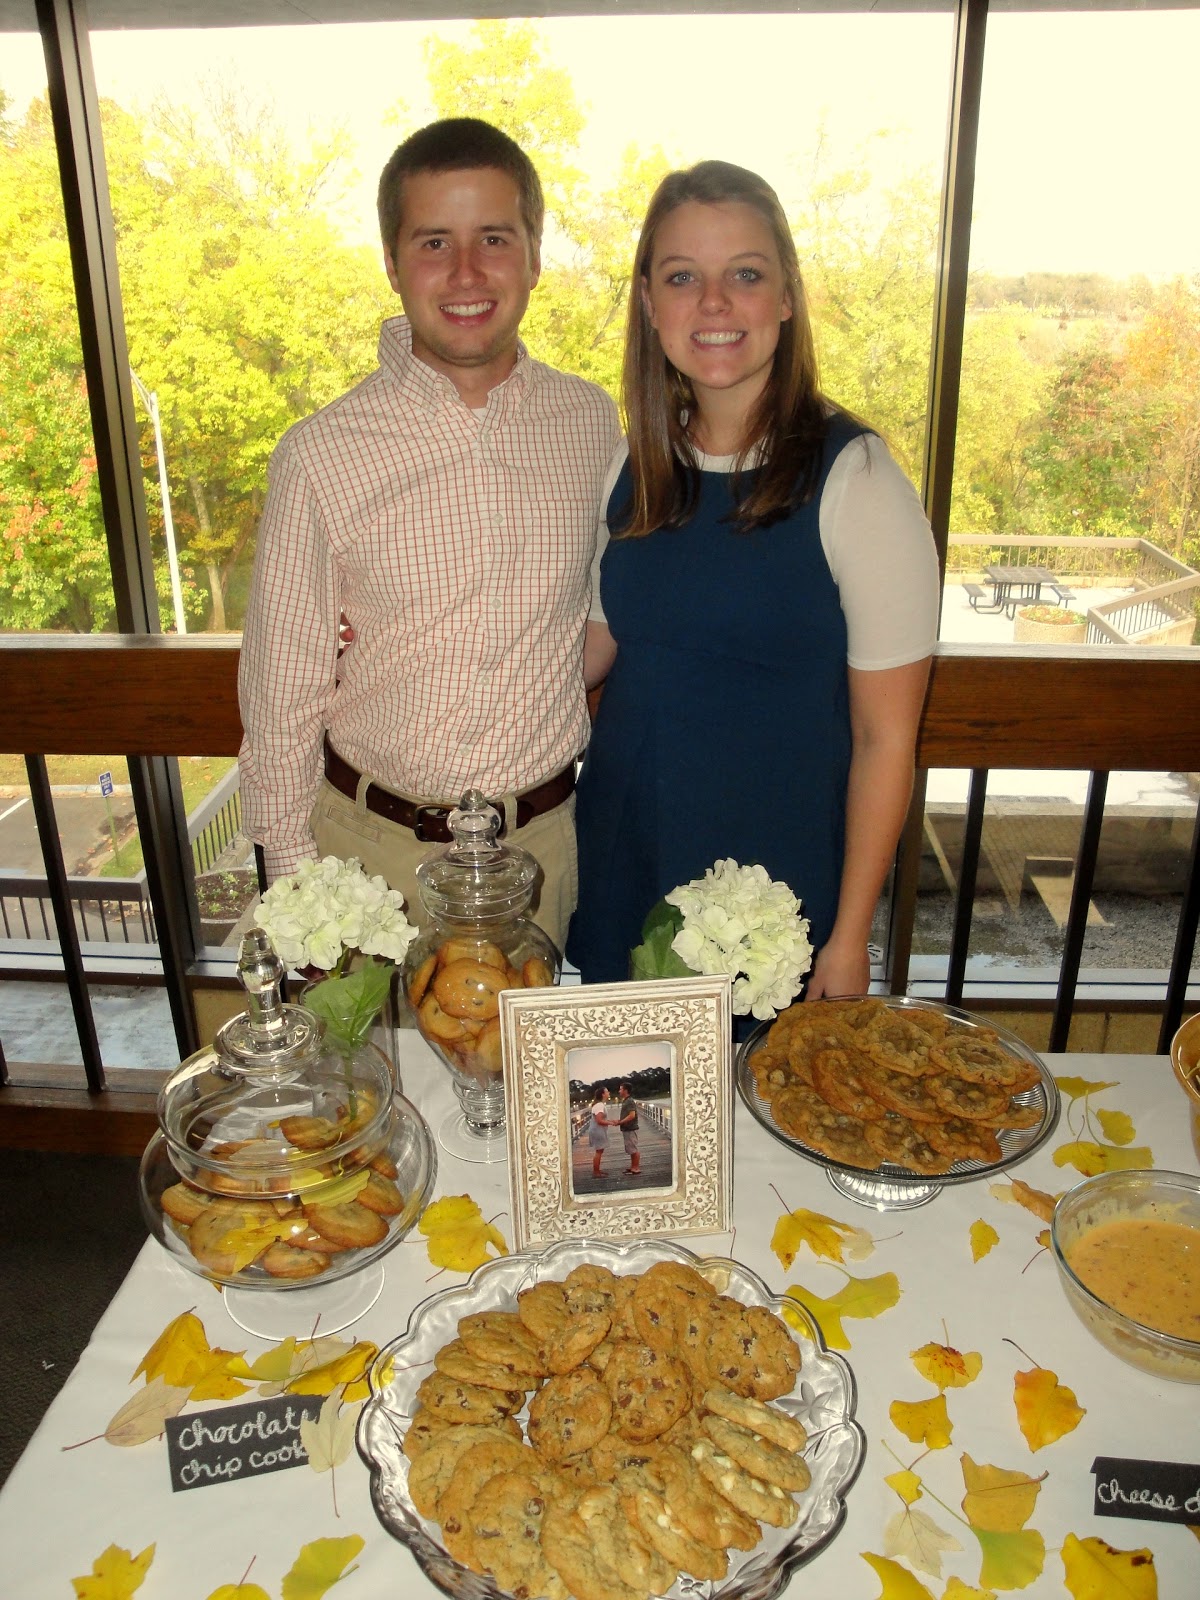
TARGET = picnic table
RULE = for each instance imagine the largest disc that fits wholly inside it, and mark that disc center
(1013, 587)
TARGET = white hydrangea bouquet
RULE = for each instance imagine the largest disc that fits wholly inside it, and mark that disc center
(329, 916)
(736, 920)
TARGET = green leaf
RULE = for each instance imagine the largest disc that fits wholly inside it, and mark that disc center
(654, 957)
(349, 1005)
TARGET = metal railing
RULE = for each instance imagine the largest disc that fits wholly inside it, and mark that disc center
(1166, 609)
(216, 822)
(105, 909)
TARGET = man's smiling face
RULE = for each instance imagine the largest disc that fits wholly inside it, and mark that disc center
(464, 266)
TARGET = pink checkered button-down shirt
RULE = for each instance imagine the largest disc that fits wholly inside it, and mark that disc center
(458, 544)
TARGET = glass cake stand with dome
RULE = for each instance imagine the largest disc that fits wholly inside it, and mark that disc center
(283, 1168)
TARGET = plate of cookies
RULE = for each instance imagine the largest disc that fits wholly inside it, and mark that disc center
(621, 1420)
(895, 1096)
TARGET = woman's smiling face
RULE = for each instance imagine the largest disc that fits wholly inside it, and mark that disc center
(715, 293)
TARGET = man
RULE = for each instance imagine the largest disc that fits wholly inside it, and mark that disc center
(446, 506)
(627, 1121)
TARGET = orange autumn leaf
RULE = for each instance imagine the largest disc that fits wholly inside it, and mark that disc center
(997, 1500)
(898, 1582)
(923, 1421)
(1035, 1200)
(1095, 1571)
(983, 1238)
(945, 1367)
(1046, 1409)
(115, 1575)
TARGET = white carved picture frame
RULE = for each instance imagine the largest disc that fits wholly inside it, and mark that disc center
(685, 1022)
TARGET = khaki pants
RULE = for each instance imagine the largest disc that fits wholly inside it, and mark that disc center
(345, 828)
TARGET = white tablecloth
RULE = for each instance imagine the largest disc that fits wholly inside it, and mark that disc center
(61, 1508)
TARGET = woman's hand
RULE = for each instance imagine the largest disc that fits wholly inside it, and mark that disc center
(839, 972)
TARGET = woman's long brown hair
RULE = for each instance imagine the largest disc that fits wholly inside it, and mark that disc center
(786, 428)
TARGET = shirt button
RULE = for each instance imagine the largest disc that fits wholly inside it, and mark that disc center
(497, 520)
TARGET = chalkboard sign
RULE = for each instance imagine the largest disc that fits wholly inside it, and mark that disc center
(238, 1441)
(1149, 1491)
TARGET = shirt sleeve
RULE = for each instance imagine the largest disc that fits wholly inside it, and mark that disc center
(287, 671)
(881, 553)
(596, 611)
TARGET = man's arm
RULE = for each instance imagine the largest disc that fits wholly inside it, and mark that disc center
(885, 708)
(599, 653)
(286, 676)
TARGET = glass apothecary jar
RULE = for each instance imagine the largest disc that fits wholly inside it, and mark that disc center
(282, 1164)
(480, 941)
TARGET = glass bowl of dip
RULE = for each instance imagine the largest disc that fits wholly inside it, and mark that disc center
(1127, 1248)
(1185, 1059)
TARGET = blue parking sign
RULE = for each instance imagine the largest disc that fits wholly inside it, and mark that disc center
(106, 783)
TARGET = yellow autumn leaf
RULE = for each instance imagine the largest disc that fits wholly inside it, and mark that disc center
(239, 1591)
(1076, 1088)
(1046, 1409)
(270, 1367)
(339, 1191)
(945, 1367)
(216, 1382)
(823, 1235)
(179, 1354)
(319, 1566)
(997, 1500)
(143, 1417)
(1010, 1560)
(917, 1539)
(459, 1237)
(1118, 1126)
(898, 1582)
(347, 1368)
(114, 1575)
(983, 1238)
(906, 1484)
(1043, 1238)
(858, 1297)
(1095, 1571)
(956, 1589)
(925, 1422)
(1088, 1157)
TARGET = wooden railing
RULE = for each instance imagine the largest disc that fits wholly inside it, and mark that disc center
(1019, 706)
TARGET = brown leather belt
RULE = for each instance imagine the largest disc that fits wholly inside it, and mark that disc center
(428, 821)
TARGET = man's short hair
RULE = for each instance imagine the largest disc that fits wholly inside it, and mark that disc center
(458, 144)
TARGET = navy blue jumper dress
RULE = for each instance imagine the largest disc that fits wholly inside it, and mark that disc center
(724, 727)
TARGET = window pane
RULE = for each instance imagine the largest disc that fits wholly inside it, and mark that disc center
(54, 567)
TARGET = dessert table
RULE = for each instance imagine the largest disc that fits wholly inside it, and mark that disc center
(62, 1507)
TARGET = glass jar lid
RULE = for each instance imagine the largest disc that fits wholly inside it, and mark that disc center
(475, 879)
(232, 1110)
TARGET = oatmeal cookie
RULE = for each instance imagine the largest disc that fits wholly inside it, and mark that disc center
(905, 1095)
(961, 1140)
(661, 1528)
(837, 1077)
(898, 1044)
(974, 1102)
(905, 1144)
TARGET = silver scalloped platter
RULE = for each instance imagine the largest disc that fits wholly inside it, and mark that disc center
(896, 1188)
(823, 1399)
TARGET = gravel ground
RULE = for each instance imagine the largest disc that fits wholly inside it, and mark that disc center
(1139, 931)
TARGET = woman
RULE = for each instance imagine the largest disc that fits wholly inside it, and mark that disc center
(598, 1130)
(768, 600)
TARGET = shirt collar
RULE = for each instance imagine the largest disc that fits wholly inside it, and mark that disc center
(429, 388)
